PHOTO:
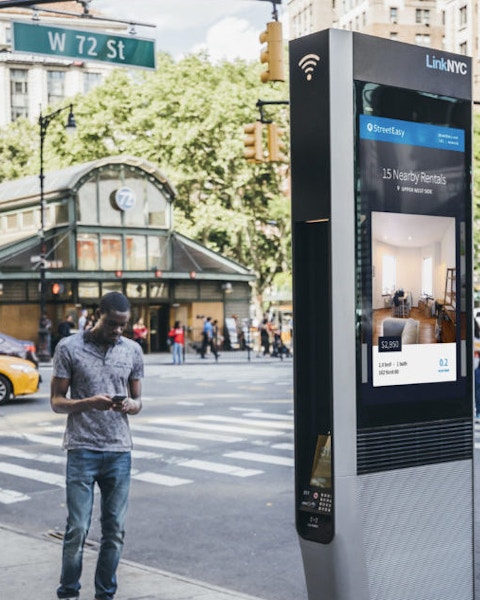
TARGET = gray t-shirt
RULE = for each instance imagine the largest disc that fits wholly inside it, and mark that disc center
(90, 371)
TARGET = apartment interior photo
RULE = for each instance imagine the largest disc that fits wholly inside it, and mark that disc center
(413, 278)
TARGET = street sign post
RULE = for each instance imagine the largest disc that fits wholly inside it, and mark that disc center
(83, 45)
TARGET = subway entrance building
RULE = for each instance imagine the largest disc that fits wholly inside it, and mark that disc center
(108, 226)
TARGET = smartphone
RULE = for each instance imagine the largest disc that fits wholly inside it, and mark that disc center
(118, 399)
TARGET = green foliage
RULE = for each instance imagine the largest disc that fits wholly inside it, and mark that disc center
(187, 117)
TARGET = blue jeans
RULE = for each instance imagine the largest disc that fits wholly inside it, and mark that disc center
(177, 353)
(111, 470)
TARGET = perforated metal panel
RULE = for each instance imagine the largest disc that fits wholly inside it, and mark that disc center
(418, 537)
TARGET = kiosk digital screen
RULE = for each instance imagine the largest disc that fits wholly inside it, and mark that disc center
(412, 201)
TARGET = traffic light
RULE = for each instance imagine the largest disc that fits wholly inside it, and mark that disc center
(275, 145)
(272, 53)
(57, 288)
(253, 150)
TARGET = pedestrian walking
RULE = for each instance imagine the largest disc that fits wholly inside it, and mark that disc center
(97, 383)
(208, 340)
(177, 337)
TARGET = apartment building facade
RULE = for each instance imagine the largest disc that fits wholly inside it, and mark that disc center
(450, 25)
(28, 83)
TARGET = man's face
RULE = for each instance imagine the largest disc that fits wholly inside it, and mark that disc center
(111, 326)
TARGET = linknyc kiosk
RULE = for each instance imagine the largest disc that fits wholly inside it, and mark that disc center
(381, 149)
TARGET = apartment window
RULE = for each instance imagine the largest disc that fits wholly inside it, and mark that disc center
(393, 14)
(422, 16)
(427, 276)
(422, 39)
(55, 86)
(389, 274)
(91, 80)
(463, 16)
(463, 48)
(19, 93)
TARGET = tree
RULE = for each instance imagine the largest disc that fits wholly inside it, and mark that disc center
(188, 118)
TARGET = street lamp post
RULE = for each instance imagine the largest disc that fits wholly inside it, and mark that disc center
(43, 330)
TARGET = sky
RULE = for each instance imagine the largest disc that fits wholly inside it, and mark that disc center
(227, 29)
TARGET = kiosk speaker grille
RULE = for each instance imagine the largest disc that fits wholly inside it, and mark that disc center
(402, 446)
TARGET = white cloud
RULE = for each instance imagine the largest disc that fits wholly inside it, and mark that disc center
(227, 29)
(229, 39)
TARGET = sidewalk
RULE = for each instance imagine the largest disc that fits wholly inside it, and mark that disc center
(30, 568)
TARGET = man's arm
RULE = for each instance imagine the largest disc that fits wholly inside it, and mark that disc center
(61, 404)
(134, 403)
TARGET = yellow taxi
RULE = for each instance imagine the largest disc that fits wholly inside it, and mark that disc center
(18, 377)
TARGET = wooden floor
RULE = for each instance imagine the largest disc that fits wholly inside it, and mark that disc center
(427, 325)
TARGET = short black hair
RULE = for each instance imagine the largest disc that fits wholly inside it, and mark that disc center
(114, 301)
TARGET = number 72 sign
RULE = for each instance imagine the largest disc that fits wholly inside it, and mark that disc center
(84, 45)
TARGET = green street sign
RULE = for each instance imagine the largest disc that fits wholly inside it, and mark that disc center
(84, 45)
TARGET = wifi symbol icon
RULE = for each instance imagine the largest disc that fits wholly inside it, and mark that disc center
(308, 63)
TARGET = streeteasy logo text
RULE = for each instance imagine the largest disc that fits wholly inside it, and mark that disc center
(446, 64)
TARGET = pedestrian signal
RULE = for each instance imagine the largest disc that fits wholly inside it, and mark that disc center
(57, 288)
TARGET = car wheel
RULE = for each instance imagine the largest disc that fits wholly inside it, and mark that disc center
(5, 389)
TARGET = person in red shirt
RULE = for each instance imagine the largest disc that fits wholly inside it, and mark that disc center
(177, 335)
(140, 334)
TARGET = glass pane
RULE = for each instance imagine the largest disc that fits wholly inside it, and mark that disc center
(135, 216)
(137, 290)
(159, 290)
(109, 182)
(61, 213)
(158, 211)
(157, 252)
(136, 252)
(87, 203)
(111, 286)
(87, 252)
(88, 290)
(111, 252)
(62, 252)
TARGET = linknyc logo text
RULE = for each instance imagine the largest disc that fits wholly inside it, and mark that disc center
(446, 64)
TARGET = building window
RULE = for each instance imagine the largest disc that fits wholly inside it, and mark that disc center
(393, 35)
(136, 252)
(87, 252)
(389, 274)
(422, 39)
(393, 14)
(19, 93)
(91, 80)
(463, 48)
(463, 16)
(111, 259)
(55, 86)
(422, 16)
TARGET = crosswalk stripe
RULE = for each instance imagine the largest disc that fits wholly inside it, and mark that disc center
(204, 465)
(249, 422)
(11, 496)
(35, 474)
(264, 415)
(159, 479)
(194, 435)
(213, 427)
(285, 446)
(263, 458)
(140, 441)
(18, 453)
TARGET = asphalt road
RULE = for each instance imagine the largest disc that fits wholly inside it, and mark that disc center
(212, 486)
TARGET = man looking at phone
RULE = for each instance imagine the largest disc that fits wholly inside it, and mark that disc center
(97, 383)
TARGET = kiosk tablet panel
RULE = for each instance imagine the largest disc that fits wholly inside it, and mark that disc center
(412, 201)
